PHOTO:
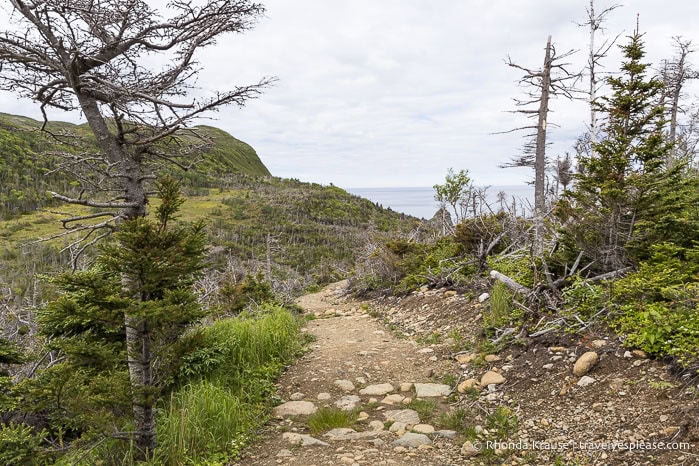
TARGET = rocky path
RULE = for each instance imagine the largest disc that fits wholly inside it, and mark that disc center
(357, 364)
(447, 401)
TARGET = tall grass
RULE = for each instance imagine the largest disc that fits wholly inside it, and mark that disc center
(204, 422)
(210, 419)
(213, 412)
(499, 310)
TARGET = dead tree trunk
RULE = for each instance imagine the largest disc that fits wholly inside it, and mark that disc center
(595, 22)
(540, 154)
(544, 87)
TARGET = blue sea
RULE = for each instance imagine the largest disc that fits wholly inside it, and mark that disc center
(420, 202)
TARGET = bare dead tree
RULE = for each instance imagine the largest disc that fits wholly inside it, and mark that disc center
(595, 22)
(93, 57)
(552, 80)
(676, 73)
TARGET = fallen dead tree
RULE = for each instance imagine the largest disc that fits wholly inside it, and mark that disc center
(549, 293)
(510, 283)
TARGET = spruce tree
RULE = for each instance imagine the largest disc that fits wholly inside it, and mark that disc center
(621, 180)
(160, 258)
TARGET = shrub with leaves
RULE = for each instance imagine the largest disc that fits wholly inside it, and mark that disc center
(657, 307)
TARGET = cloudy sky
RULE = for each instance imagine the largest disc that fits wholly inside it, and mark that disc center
(394, 92)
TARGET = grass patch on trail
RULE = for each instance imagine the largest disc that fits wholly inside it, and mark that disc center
(330, 418)
(425, 408)
(458, 420)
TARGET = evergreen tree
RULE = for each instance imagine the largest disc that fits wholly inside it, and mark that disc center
(621, 180)
(86, 325)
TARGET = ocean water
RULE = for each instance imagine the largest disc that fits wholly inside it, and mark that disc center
(420, 202)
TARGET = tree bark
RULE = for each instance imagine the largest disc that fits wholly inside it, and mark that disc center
(593, 77)
(141, 376)
(510, 283)
(540, 156)
(137, 337)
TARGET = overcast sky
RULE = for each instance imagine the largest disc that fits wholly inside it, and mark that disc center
(394, 92)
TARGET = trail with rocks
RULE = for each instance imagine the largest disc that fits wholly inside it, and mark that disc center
(555, 400)
(356, 363)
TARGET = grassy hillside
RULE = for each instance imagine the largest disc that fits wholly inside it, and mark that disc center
(26, 164)
(298, 234)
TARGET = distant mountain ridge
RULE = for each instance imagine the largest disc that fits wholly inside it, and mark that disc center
(26, 165)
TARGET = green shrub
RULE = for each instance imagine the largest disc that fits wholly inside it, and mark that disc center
(459, 420)
(231, 368)
(657, 307)
(500, 311)
(425, 407)
(518, 268)
(19, 445)
(502, 423)
(584, 298)
(235, 297)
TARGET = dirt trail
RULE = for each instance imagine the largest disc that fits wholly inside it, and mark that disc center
(352, 346)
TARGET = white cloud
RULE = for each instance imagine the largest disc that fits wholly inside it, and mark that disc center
(392, 93)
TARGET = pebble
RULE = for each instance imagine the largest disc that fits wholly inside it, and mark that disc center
(377, 390)
(393, 399)
(468, 450)
(324, 396)
(348, 402)
(584, 363)
(492, 377)
(303, 440)
(423, 429)
(376, 425)
(406, 386)
(585, 381)
(297, 396)
(398, 427)
(429, 390)
(295, 408)
(408, 416)
(467, 385)
(465, 358)
(344, 385)
(412, 440)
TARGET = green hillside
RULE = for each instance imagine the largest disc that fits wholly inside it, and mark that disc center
(26, 164)
(298, 234)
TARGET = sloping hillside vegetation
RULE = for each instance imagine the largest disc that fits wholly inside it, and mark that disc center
(28, 169)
